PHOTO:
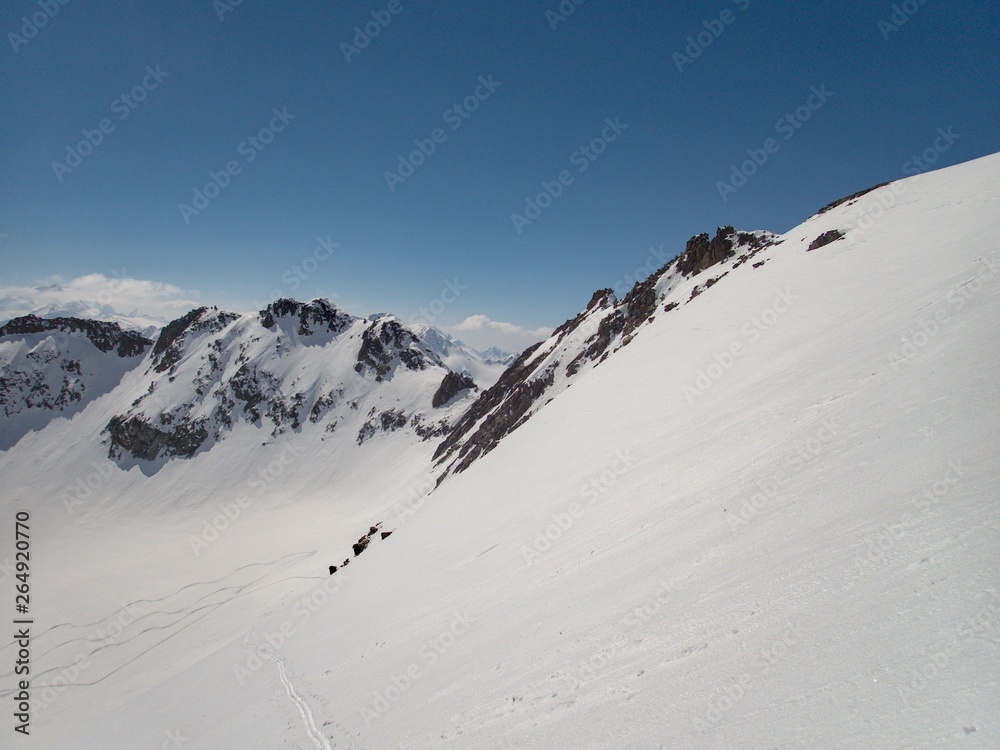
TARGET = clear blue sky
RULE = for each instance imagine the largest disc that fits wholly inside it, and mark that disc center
(323, 174)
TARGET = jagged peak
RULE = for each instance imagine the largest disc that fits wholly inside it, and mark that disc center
(168, 350)
(312, 315)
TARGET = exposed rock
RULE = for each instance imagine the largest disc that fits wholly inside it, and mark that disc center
(503, 406)
(702, 253)
(383, 342)
(361, 545)
(314, 317)
(145, 441)
(825, 239)
(852, 197)
(427, 431)
(451, 386)
(169, 349)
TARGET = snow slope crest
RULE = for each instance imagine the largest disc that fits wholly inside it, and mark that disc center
(578, 345)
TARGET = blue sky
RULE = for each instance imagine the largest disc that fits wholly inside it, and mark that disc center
(306, 208)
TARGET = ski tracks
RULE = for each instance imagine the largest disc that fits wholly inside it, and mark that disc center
(317, 737)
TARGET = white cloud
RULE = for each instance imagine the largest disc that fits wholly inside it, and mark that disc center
(140, 301)
(480, 332)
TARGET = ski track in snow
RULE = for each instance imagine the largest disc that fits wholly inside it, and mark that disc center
(317, 737)
(240, 590)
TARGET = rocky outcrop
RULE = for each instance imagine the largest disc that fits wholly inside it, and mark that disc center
(53, 367)
(313, 317)
(389, 421)
(145, 441)
(502, 409)
(289, 367)
(169, 347)
(825, 239)
(387, 343)
(852, 197)
(702, 252)
(451, 386)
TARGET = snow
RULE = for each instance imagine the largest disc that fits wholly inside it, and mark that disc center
(52, 373)
(484, 367)
(790, 546)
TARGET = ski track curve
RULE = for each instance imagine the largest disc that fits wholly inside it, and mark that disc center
(241, 590)
(298, 555)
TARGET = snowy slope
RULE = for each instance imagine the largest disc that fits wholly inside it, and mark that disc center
(770, 520)
(584, 342)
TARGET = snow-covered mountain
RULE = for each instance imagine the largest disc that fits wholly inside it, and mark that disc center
(483, 367)
(496, 355)
(54, 367)
(606, 325)
(146, 325)
(751, 504)
(293, 366)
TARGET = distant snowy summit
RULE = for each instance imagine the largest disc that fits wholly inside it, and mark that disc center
(486, 366)
(146, 325)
